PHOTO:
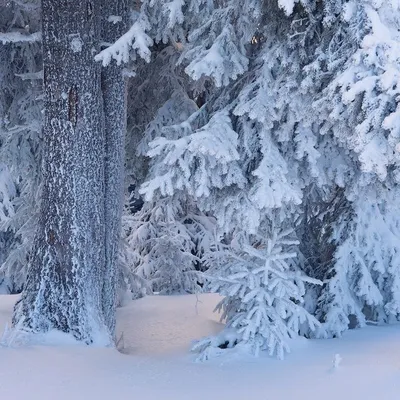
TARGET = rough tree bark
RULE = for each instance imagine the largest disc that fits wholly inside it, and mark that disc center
(114, 24)
(66, 271)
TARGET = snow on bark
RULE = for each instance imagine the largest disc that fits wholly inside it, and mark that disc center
(114, 97)
(18, 37)
(65, 275)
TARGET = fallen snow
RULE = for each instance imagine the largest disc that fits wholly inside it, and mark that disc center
(158, 325)
(157, 332)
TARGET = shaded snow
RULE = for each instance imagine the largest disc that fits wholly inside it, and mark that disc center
(157, 332)
(6, 306)
(157, 325)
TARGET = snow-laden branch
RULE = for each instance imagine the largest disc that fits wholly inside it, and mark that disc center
(18, 37)
(287, 5)
(136, 39)
(31, 75)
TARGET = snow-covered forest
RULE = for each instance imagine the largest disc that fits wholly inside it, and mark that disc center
(248, 148)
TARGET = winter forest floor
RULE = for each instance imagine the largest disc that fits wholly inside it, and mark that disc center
(157, 332)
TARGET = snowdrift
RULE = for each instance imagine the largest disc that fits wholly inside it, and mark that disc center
(156, 333)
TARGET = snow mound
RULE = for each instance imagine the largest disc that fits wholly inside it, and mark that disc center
(158, 331)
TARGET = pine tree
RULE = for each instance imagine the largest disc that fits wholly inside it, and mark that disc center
(356, 109)
(263, 293)
(164, 240)
(312, 121)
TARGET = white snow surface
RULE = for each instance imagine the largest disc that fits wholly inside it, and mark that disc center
(157, 332)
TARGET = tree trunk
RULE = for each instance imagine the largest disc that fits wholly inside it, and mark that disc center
(66, 271)
(115, 24)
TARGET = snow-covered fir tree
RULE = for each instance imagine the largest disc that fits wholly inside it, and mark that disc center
(263, 292)
(298, 114)
(20, 130)
(160, 94)
(356, 106)
(165, 242)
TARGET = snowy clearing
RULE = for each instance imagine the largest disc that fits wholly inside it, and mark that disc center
(157, 331)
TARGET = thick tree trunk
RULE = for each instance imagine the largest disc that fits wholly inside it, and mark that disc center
(66, 272)
(114, 23)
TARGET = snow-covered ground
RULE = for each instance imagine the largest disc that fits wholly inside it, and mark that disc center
(157, 332)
